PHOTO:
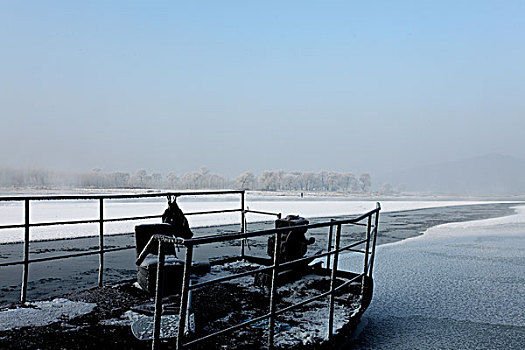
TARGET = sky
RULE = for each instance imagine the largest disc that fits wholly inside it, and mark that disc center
(239, 85)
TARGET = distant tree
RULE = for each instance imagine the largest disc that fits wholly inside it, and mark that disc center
(308, 180)
(173, 180)
(350, 182)
(119, 179)
(298, 180)
(139, 179)
(386, 188)
(365, 182)
(273, 180)
(322, 180)
(191, 180)
(245, 181)
(204, 170)
(156, 179)
(216, 181)
(288, 182)
(333, 181)
(266, 180)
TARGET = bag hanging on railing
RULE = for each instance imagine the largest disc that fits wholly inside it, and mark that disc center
(175, 217)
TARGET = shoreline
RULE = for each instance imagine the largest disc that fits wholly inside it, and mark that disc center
(318, 207)
(419, 196)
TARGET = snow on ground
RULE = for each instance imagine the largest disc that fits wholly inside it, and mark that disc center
(41, 313)
(47, 211)
(289, 332)
(314, 316)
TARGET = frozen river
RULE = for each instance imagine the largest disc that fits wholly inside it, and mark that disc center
(458, 286)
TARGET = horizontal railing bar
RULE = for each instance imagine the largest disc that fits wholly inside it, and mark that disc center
(11, 263)
(76, 222)
(307, 301)
(356, 250)
(288, 263)
(181, 241)
(359, 224)
(229, 237)
(53, 223)
(261, 212)
(118, 196)
(321, 255)
(110, 250)
(230, 277)
(230, 329)
(59, 257)
(213, 212)
(347, 247)
(129, 218)
(4, 227)
(344, 284)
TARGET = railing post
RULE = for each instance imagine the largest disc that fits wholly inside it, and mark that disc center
(101, 243)
(184, 296)
(25, 272)
(157, 317)
(376, 228)
(273, 294)
(243, 223)
(329, 246)
(332, 282)
(365, 267)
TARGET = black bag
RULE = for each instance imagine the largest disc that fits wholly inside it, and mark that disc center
(175, 217)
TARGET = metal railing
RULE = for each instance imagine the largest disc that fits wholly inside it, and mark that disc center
(101, 220)
(190, 244)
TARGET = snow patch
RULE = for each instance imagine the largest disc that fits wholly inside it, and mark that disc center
(42, 313)
(142, 325)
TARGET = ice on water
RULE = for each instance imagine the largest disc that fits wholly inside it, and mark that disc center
(470, 271)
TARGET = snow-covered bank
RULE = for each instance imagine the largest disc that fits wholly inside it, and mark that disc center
(505, 225)
(46, 211)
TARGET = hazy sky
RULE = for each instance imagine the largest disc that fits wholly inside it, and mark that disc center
(294, 85)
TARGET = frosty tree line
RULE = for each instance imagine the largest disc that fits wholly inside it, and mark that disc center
(269, 180)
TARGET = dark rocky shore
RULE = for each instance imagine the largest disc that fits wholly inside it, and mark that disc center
(74, 279)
